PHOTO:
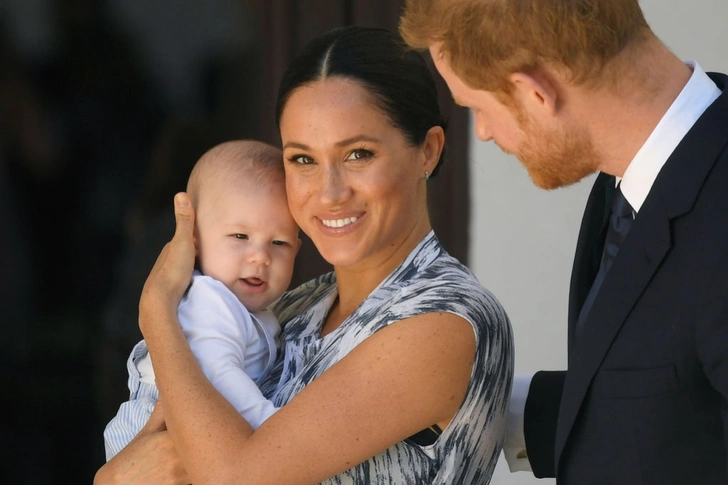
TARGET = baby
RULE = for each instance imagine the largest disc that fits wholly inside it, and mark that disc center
(246, 243)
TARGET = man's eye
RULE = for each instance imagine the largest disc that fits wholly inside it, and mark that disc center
(241, 236)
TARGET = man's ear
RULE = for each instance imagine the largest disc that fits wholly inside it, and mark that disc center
(536, 92)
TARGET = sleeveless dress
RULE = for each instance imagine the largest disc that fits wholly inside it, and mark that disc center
(428, 280)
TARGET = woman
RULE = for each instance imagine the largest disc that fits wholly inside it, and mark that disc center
(396, 367)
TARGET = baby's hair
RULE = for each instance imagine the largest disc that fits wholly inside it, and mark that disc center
(240, 162)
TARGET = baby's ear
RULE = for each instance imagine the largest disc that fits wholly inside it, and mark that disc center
(298, 247)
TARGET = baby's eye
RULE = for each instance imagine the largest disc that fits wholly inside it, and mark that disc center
(241, 236)
(280, 243)
(360, 154)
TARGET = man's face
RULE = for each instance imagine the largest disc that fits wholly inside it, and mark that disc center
(554, 154)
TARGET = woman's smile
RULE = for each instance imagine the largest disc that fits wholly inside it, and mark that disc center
(338, 223)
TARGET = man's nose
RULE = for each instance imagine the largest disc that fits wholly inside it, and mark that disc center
(482, 131)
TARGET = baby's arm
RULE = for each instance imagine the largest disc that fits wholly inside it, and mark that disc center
(134, 413)
(222, 335)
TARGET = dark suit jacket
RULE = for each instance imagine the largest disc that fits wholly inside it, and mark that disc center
(645, 397)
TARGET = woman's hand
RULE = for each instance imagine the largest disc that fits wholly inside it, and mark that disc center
(149, 458)
(172, 271)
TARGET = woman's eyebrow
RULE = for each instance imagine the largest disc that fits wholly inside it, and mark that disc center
(293, 144)
(342, 143)
(357, 138)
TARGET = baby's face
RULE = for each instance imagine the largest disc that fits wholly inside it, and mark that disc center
(247, 239)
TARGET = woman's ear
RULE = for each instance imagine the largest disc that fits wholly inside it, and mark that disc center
(535, 92)
(432, 148)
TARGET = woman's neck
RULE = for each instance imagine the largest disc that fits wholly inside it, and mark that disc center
(356, 282)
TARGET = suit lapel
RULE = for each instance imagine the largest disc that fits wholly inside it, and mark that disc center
(644, 249)
(673, 194)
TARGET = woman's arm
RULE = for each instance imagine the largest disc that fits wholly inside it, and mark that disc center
(402, 379)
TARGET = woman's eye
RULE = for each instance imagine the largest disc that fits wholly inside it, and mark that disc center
(241, 236)
(301, 159)
(360, 154)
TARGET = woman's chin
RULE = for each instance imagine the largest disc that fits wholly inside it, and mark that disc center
(339, 259)
(339, 254)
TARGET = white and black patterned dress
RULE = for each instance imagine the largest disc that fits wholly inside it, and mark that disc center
(428, 280)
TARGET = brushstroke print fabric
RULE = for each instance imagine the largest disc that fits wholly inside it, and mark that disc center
(429, 280)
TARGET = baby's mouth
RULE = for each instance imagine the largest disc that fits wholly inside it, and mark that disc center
(254, 281)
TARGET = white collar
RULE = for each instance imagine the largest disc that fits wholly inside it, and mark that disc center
(699, 93)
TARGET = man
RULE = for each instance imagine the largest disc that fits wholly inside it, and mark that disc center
(572, 87)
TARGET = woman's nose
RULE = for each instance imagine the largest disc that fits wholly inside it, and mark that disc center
(333, 186)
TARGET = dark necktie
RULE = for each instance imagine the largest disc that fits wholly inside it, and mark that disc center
(619, 223)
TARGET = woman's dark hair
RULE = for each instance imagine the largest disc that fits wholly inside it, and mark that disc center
(396, 76)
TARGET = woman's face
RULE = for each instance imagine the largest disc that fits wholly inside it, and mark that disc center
(355, 185)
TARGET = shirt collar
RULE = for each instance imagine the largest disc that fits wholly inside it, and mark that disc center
(699, 93)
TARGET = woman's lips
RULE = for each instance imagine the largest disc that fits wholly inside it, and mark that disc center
(339, 225)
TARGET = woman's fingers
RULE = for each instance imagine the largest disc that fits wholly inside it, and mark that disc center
(172, 271)
(185, 218)
(149, 458)
(179, 261)
(156, 420)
